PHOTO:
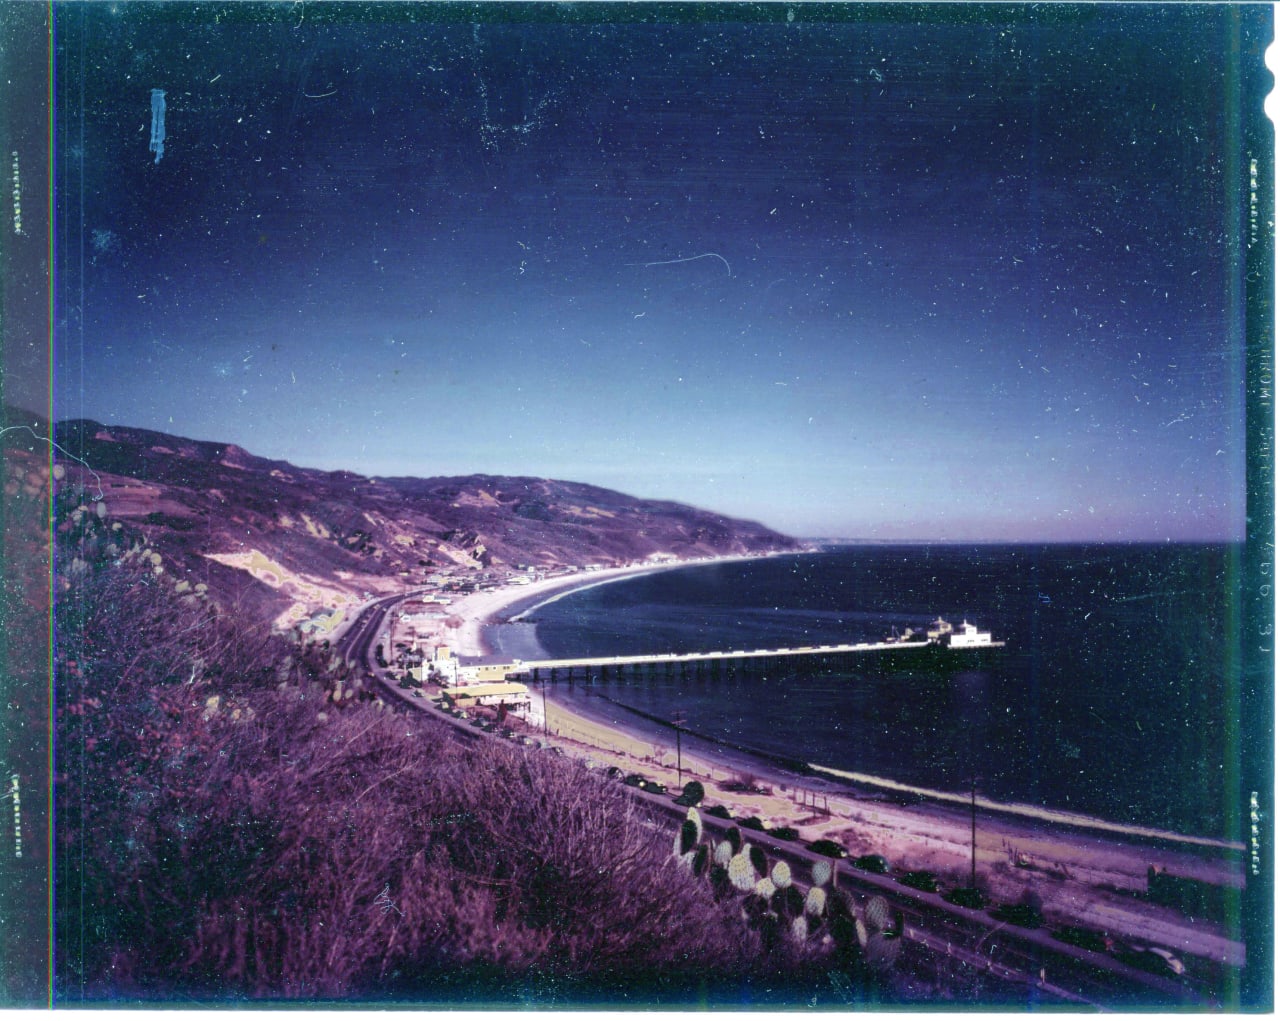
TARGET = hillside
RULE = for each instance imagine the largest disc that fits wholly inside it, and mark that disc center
(285, 542)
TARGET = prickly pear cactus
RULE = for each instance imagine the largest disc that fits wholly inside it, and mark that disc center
(742, 873)
(781, 875)
(687, 838)
(788, 903)
(765, 888)
(758, 860)
(692, 816)
(734, 836)
(815, 902)
(799, 929)
(724, 851)
(879, 915)
(821, 873)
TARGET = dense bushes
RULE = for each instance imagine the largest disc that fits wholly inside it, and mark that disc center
(230, 826)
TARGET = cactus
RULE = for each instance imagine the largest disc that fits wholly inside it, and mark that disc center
(701, 859)
(821, 873)
(742, 873)
(841, 904)
(878, 914)
(758, 860)
(799, 929)
(781, 875)
(764, 888)
(734, 836)
(788, 902)
(815, 902)
(693, 817)
(687, 838)
(724, 851)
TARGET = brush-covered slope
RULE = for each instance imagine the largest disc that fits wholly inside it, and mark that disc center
(270, 534)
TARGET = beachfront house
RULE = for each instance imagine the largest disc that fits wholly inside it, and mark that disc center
(515, 697)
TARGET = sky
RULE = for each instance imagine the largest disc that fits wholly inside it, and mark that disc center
(883, 272)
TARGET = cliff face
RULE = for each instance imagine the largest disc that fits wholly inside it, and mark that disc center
(269, 534)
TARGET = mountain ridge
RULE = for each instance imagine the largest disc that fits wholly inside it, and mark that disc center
(284, 542)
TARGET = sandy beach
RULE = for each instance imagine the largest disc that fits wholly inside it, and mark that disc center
(1083, 873)
(480, 609)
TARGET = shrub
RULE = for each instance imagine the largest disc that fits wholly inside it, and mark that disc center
(692, 794)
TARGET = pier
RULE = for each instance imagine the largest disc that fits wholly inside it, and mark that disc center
(942, 638)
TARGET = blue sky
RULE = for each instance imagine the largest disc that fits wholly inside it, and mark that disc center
(916, 273)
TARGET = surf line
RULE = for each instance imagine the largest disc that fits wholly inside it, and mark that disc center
(583, 588)
(1032, 811)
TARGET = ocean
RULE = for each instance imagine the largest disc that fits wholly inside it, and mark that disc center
(1117, 695)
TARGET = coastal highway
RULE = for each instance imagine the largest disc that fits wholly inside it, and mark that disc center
(1029, 957)
(1050, 971)
(354, 643)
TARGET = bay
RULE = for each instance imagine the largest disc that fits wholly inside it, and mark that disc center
(1116, 696)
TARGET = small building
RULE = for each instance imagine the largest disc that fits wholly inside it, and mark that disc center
(514, 696)
(484, 673)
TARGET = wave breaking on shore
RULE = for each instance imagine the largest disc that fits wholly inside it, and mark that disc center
(1052, 815)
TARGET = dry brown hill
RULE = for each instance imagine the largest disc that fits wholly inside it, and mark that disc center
(269, 534)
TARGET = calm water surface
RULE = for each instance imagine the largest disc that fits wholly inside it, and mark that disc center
(1116, 695)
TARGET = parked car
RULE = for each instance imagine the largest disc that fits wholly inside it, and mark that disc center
(828, 847)
(656, 787)
(872, 863)
(635, 780)
(920, 880)
(477, 722)
(1085, 939)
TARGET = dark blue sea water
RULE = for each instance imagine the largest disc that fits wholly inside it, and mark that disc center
(1117, 695)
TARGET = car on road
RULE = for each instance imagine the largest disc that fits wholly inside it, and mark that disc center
(752, 822)
(785, 833)
(656, 787)
(828, 847)
(920, 880)
(477, 722)
(635, 780)
(416, 693)
(719, 811)
(872, 863)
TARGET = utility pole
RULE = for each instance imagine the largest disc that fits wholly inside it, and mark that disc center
(677, 721)
(973, 833)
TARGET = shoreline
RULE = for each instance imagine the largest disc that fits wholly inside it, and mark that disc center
(1085, 870)
(480, 610)
(508, 606)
